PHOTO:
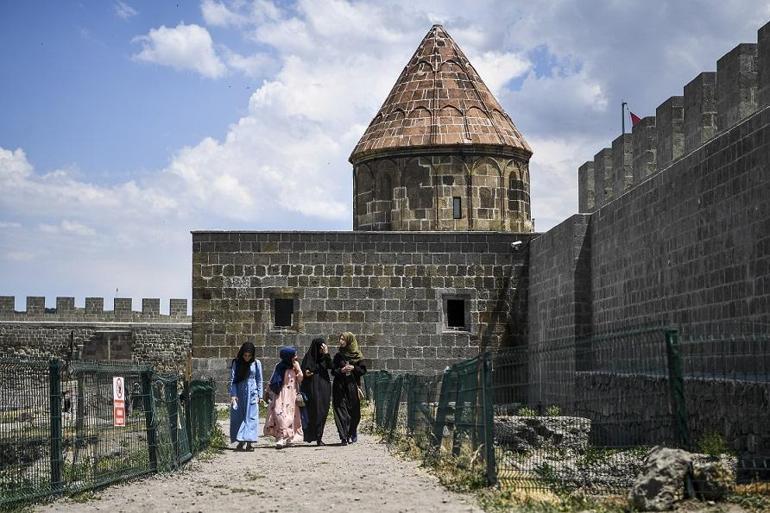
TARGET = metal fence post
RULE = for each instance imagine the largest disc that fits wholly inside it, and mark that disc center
(54, 375)
(443, 407)
(489, 418)
(149, 411)
(172, 406)
(188, 414)
(676, 388)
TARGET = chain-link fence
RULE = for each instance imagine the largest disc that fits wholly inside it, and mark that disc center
(65, 429)
(582, 414)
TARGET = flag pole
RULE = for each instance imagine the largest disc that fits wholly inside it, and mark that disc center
(623, 117)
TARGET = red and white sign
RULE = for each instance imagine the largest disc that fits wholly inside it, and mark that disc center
(118, 401)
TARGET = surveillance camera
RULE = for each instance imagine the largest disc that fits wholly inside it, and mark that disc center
(516, 245)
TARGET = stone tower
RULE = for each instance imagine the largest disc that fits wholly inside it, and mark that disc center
(441, 154)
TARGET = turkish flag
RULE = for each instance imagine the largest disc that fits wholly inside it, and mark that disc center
(634, 119)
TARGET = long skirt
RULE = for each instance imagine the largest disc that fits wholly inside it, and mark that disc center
(283, 416)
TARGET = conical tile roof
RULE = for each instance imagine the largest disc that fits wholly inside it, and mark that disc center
(439, 100)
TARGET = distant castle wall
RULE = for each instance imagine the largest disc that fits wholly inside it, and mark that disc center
(687, 243)
(91, 333)
(711, 104)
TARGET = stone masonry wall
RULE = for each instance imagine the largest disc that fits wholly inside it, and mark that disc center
(386, 287)
(415, 193)
(67, 332)
(634, 410)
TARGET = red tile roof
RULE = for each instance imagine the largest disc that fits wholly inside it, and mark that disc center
(439, 100)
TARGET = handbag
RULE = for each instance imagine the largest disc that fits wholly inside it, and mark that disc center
(301, 399)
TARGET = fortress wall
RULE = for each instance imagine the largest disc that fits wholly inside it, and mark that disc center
(91, 333)
(713, 103)
(386, 287)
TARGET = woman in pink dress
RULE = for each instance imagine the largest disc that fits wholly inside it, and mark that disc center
(283, 415)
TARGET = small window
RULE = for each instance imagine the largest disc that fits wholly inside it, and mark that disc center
(284, 312)
(457, 207)
(455, 313)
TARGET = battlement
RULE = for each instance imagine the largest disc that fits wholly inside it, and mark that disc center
(93, 311)
(711, 104)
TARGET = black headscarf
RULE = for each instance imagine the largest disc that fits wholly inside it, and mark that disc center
(313, 357)
(242, 368)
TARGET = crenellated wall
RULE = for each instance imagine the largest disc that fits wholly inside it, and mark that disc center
(92, 333)
(712, 103)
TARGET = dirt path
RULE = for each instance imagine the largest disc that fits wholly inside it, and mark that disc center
(303, 478)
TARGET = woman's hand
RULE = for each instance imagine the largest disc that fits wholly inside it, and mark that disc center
(234, 401)
(347, 369)
(308, 373)
(297, 368)
(324, 349)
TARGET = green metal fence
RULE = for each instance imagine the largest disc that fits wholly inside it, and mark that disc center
(449, 413)
(59, 428)
(581, 414)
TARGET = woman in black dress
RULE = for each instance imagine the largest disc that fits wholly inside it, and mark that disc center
(347, 368)
(317, 388)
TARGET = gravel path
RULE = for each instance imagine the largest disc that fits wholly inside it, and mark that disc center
(302, 478)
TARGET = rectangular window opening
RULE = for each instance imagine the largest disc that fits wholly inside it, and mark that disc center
(457, 207)
(284, 312)
(455, 313)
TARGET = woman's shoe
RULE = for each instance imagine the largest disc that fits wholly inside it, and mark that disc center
(249, 448)
(239, 447)
(344, 442)
(354, 438)
(280, 444)
(319, 443)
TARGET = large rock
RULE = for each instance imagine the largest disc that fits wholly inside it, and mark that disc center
(524, 434)
(713, 477)
(662, 482)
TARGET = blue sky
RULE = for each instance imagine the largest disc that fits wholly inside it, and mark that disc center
(126, 124)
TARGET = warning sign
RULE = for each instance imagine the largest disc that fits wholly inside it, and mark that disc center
(118, 401)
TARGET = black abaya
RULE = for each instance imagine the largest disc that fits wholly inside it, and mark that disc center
(317, 388)
(347, 405)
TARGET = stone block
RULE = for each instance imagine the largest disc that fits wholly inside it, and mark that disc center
(645, 146)
(700, 110)
(603, 177)
(94, 305)
(151, 306)
(669, 121)
(65, 304)
(35, 304)
(586, 188)
(763, 65)
(7, 304)
(178, 307)
(622, 165)
(737, 85)
(122, 305)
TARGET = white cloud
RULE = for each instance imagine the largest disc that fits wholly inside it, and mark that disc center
(559, 68)
(184, 47)
(219, 15)
(498, 68)
(255, 65)
(68, 228)
(125, 11)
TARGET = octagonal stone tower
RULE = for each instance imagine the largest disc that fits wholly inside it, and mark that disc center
(441, 154)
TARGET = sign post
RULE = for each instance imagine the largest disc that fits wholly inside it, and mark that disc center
(118, 401)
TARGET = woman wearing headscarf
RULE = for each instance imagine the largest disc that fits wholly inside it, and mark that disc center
(317, 386)
(245, 394)
(283, 415)
(347, 368)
